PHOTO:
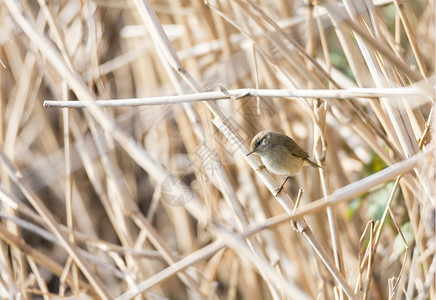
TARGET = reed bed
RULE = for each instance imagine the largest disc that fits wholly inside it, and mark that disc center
(124, 133)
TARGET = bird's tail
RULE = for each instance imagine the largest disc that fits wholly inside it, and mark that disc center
(308, 162)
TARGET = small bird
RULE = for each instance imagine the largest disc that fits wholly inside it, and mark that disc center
(280, 154)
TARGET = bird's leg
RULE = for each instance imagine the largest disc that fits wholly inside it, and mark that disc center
(260, 167)
(281, 187)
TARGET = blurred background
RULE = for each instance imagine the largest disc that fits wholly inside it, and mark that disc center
(157, 201)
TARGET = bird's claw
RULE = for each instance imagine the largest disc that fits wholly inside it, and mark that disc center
(278, 191)
(260, 167)
(281, 187)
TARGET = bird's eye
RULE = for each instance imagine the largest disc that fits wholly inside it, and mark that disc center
(258, 143)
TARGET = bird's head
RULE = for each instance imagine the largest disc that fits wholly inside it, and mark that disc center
(261, 143)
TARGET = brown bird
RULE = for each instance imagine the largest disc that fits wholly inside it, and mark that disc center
(280, 154)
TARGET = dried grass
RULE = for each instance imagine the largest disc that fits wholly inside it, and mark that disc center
(141, 188)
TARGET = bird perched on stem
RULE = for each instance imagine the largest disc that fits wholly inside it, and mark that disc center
(280, 154)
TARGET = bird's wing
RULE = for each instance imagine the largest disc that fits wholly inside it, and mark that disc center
(296, 150)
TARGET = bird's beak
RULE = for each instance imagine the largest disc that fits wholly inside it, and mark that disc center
(251, 152)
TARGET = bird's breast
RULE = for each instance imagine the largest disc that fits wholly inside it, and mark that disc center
(285, 165)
